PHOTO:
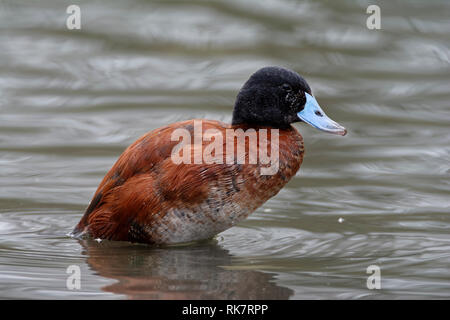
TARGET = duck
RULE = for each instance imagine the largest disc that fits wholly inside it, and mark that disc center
(191, 180)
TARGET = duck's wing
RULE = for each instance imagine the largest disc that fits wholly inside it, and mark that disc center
(145, 183)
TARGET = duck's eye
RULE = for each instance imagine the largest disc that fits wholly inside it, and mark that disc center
(286, 87)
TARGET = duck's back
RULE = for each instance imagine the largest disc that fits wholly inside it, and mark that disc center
(149, 196)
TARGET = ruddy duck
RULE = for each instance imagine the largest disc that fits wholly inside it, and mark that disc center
(151, 195)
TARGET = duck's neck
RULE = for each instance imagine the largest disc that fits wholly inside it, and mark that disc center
(279, 170)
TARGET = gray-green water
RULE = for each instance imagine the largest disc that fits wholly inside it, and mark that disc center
(72, 100)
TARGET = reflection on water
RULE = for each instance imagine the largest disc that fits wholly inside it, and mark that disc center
(190, 272)
(72, 101)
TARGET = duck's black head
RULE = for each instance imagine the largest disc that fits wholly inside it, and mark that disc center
(277, 97)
